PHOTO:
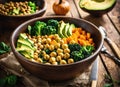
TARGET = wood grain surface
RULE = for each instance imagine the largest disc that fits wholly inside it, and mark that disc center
(110, 21)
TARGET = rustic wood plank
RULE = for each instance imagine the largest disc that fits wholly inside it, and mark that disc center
(112, 68)
(114, 15)
(101, 74)
(73, 9)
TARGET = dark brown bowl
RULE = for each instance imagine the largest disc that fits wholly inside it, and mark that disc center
(98, 13)
(58, 72)
(10, 21)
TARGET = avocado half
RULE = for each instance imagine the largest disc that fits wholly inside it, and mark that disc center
(97, 7)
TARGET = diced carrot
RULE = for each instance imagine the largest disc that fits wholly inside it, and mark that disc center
(65, 40)
(54, 42)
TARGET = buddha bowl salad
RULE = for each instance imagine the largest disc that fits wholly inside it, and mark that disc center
(55, 42)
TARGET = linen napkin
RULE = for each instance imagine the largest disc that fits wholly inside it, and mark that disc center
(13, 66)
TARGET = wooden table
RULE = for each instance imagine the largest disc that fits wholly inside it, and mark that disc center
(110, 21)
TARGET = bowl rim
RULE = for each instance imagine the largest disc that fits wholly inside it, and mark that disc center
(36, 13)
(52, 17)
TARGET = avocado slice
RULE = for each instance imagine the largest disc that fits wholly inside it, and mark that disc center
(25, 41)
(27, 54)
(25, 47)
(66, 28)
(26, 50)
(69, 32)
(60, 29)
(23, 36)
(96, 4)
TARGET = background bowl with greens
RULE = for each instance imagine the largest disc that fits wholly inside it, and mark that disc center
(14, 12)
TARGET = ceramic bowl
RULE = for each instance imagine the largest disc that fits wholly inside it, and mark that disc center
(58, 72)
(12, 21)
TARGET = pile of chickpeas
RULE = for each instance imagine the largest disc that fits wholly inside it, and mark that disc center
(59, 51)
(9, 7)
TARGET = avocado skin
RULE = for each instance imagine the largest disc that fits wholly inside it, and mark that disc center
(98, 13)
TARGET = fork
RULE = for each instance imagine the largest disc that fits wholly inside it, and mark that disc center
(115, 59)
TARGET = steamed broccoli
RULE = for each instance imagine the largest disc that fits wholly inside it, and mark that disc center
(37, 28)
(32, 6)
(77, 55)
(74, 47)
(53, 23)
(48, 30)
(78, 52)
(87, 50)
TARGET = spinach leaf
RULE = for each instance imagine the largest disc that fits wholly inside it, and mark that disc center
(8, 81)
(4, 48)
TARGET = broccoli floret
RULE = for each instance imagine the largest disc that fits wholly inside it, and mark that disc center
(37, 28)
(78, 52)
(77, 55)
(87, 50)
(48, 30)
(74, 47)
(53, 23)
(32, 6)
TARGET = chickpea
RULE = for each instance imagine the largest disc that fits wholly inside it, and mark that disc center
(35, 57)
(56, 36)
(55, 63)
(52, 59)
(67, 50)
(66, 55)
(59, 50)
(61, 55)
(70, 60)
(57, 45)
(43, 41)
(43, 52)
(63, 62)
(33, 60)
(61, 42)
(46, 57)
(46, 46)
(41, 46)
(48, 40)
(48, 63)
(58, 58)
(53, 54)
(51, 47)
(46, 36)
(5, 13)
(64, 46)
(40, 60)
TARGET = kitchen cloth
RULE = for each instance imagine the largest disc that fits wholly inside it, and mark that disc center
(13, 66)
